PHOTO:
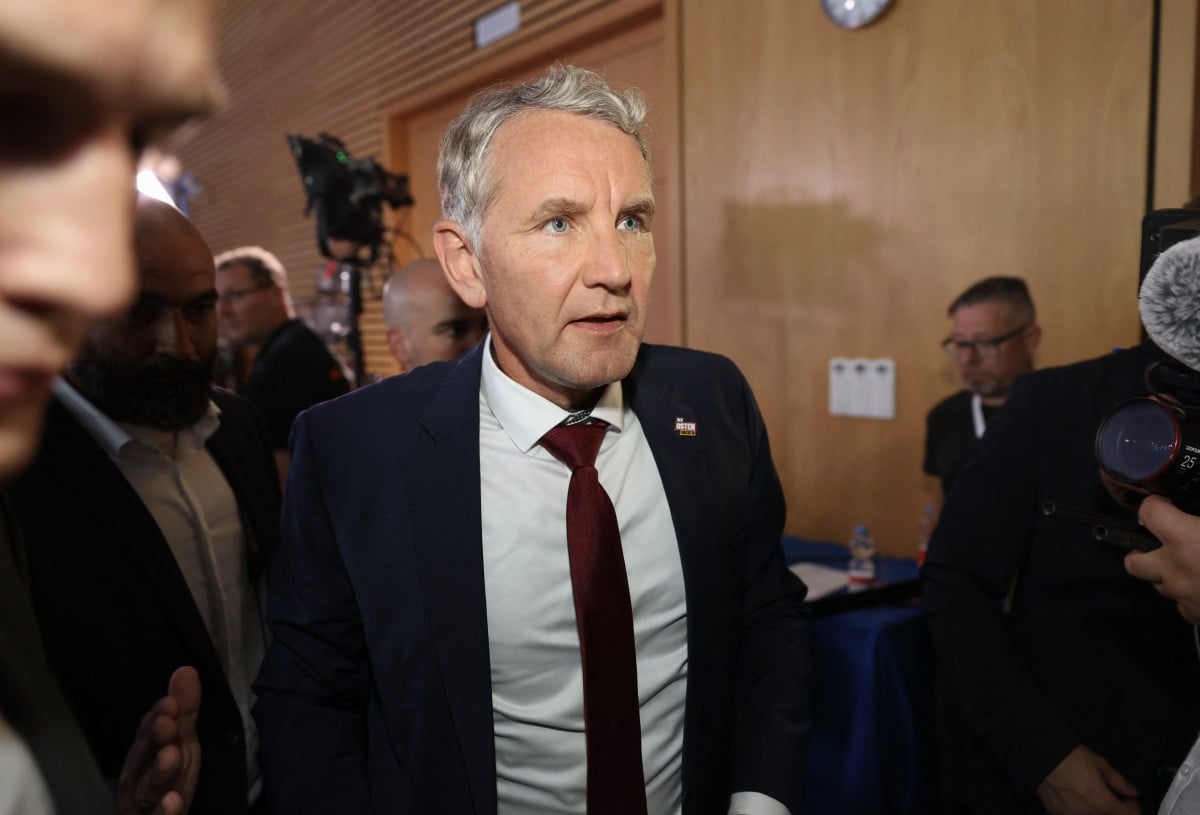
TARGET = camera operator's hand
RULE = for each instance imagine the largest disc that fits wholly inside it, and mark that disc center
(1173, 568)
(1084, 783)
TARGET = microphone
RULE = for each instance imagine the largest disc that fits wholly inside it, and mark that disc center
(1169, 302)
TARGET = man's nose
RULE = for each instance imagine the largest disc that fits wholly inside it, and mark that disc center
(609, 262)
(172, 337)
(70, 224)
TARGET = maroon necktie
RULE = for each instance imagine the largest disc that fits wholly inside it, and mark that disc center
(605, 618)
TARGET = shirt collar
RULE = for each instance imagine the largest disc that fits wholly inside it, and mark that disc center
(113, 437)
(525, 416)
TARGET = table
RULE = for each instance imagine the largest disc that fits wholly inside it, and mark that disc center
(897, 580)
(872, 750)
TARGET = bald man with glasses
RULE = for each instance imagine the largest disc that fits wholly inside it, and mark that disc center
(993, 336)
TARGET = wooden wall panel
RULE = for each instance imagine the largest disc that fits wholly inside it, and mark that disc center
(1174, 145)
(843, 186)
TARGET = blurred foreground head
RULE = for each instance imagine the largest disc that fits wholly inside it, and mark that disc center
(83, 86)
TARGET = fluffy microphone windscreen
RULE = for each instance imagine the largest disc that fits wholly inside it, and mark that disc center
(1169, 302)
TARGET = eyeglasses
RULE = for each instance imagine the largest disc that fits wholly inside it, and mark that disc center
(984, 348)
(235, 295)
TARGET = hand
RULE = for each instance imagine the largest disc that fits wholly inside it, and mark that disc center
(1173, 568)
(163, 765)
(1084, 783)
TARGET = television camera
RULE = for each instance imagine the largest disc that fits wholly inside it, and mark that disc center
(346, 197)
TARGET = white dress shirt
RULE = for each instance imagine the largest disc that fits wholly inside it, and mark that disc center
(1183, 798)
(22, 790)
(187, 494)
(537, 679)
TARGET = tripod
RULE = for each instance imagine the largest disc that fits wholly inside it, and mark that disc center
(349, 275)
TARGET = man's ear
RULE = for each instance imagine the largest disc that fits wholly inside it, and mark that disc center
(460, 262)
(1034, 338)
(398, 347)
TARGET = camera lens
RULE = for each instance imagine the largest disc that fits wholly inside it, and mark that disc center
(1138, 441)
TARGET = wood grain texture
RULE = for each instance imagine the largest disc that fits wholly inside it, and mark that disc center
(1173, 167)
(843, 187)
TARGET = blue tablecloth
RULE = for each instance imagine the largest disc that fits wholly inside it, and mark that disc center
(890, 572)
(872, 750)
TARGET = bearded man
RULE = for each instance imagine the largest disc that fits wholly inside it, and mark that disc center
(148, 515)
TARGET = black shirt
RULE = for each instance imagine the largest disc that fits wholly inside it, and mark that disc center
(292, 371)
(950, 436)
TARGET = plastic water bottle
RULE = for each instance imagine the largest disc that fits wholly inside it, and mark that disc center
(862, 560)
(926, 529)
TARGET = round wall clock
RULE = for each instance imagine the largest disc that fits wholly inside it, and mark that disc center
(855, 13)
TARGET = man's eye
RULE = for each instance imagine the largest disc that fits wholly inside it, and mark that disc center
(35, 131)
(557, 225)
(200, 310)
(631, 223)
(46, 113)
(143, 313)
(454, 330)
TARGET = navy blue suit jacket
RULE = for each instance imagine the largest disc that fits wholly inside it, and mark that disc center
(375, 694)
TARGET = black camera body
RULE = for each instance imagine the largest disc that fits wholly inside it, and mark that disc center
(1162, 229)
(1152, 443)
(346, 195)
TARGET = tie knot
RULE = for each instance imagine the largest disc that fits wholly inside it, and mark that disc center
(575, 445)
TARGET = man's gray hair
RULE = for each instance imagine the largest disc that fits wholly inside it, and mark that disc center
(264, 267)
(463, 178)
(1011, 290)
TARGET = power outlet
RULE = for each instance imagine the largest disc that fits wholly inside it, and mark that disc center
(862, 388)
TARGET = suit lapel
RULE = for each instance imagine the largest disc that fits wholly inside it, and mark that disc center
(253, 501)
(688, 480)
(680, 458)
(447, 534)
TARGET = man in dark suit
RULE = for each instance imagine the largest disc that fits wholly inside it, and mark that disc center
(1075, 683)
(428, 608)
(66, 201)
(152, 504)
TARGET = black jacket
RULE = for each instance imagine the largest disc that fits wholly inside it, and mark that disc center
(115, 611)
(1087, 655)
